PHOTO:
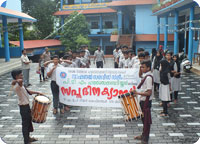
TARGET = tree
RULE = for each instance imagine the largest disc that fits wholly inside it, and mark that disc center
(43, 11)
(75, 30)
(81, 40)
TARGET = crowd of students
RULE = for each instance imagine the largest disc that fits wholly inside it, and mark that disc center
(166, 69)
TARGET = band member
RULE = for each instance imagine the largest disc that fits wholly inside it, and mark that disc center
(173, 70)
(99, 57)
(164, 89)
(156, 72)
(146, 95)
(147, 55)
(23, 101)
(25, 68)
(83, 59)
(177, 78)
(51, 72)
(116, 57)
(87, 55)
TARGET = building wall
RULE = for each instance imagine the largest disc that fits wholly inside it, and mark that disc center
(146, 23)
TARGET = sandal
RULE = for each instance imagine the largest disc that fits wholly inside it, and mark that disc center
(32, 139)
(67, 108)
(138, 137)
(55, 111)
(164, 115)
(62, 111)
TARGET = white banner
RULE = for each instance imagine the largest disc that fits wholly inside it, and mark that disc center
(95, 87)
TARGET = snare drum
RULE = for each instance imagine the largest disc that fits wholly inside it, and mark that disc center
(40, 108)
(131, 106)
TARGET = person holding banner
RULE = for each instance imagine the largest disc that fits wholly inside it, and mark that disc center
(51, 72)
(99, 57)
(146, 95)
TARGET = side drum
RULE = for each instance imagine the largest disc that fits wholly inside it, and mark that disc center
(131, 106)
(40, 108)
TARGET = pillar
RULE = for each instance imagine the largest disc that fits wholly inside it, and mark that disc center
(101, 23)
(158, 32)
(21, 36)
(61, 4)
(62, 22)
(6, 43)
(166, 33)
(0, 39)
(119, 14)
(190, 45)
(176, 49)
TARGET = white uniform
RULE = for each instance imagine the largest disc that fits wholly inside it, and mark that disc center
(176, 84)
(156, 73)
(164, 91)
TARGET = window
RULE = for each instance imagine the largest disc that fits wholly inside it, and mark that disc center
(94, 25)
(94, 1)
(108, 24)
(86, 1)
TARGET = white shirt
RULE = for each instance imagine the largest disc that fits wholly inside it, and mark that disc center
(24, 58)
(116, 55)
(99, 55)
(53, 75)
(23, 96)
(147, 85)
(131, 62)
(137, 64)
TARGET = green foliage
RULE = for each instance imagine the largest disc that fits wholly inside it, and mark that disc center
(81, 40)
(74, 31)
(43, 11)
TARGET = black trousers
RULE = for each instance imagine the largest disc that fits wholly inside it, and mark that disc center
(55, 93)
(99, 64)
(116, 65)
(165, 108)
(175, 95)
(27, 126)
(42, 73)
(146, 127)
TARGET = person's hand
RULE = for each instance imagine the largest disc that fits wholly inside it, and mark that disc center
(39, 93)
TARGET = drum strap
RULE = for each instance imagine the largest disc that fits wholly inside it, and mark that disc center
(27, 91)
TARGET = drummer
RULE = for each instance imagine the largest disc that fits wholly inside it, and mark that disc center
(146, 94)
(23, 101)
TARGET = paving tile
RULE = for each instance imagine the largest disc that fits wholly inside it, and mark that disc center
(120, 135)
(176, 134)
(92, 136)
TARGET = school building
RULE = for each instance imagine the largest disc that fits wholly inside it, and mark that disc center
(186, 25)
(118, 22)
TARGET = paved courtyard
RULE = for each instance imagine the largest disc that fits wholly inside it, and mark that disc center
(88, 125)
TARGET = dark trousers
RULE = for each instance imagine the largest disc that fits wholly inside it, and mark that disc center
(176, 95)
(146, 127)
(99, 64)
(55, 93)
(164, 104)
(27, 126)
(116, 65)
(156, 86)
(42, 73)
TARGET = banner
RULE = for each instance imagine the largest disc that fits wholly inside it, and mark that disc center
(85, 6)
(95, 87)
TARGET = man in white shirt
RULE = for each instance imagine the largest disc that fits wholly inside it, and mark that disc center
(25, 68)
(116, 57)
(47, 57)
(87, 55)
(99, 58)
(51, 72)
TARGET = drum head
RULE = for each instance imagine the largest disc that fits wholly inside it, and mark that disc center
(42, 99)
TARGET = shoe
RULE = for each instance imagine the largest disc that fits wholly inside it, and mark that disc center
(55, 111)
(32, 139)
(67, 108)
(62, 111)
(143, 142)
